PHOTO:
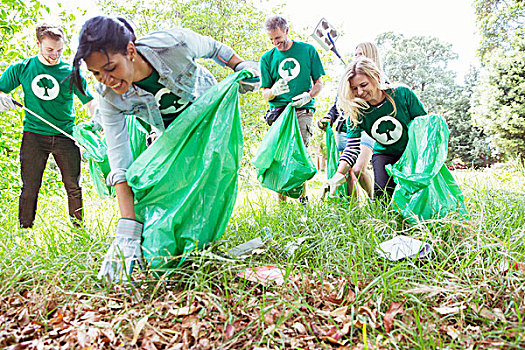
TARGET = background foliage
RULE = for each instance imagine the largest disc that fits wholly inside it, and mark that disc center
(498, 99)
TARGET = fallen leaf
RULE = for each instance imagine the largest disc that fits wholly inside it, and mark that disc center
(138, 328)
(229, 331)
(299, 328)
(270, 330)
(372, 315)
(182, 311)
(452, 332)
(395, 308)
(499, 313)
(495, 315)
(446, 310)
(340, 312)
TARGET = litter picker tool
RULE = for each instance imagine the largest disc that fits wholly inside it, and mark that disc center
(42, 119)
(325, 34)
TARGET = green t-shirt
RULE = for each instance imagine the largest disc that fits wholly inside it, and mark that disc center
(170, 105)
(46, 93)
(300, 63)
(390, 132)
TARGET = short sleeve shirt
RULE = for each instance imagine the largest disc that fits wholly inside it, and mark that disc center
(46, 92)
(390, 132)
(300, 65)
(170, 104)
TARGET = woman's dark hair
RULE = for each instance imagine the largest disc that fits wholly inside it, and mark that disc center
(100, 34)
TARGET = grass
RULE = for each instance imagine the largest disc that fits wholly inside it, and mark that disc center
(468, 293)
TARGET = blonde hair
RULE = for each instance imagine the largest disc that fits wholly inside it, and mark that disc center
(347, 102)
(370, 50)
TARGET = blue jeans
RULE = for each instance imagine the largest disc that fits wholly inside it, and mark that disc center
(340, 140)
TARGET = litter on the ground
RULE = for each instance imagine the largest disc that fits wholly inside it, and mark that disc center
(291, 247)
(244, 249)
(263, 275)
(401, 247)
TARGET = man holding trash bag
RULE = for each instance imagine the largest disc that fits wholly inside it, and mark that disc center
(290, 73)
(47, 94)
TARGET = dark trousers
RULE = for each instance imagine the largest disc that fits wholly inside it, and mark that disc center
(384, 184)
(34, 153)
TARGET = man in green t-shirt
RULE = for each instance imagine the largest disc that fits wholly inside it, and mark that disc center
(290, 73)
(46, 93)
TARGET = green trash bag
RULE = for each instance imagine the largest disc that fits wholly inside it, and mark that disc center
(425, 187)
(332, 161)
(138, 134)
(95, 149)
(282, 161)
(185, 183)
(95, 152)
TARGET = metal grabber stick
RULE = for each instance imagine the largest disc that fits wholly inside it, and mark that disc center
(42, 119)
(325, 34)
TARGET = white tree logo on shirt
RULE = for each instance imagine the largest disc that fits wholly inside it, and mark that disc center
(289, 68)
(45, 87)
(168, 102)
(387, 130)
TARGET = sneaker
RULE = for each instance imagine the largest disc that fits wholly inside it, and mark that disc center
(303, 200)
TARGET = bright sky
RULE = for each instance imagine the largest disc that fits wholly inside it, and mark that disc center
(452, 21)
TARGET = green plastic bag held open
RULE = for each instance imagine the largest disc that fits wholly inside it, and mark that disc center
(95, 151)
(185, 183)
(425, 187)
(282, 161)
(332, 161)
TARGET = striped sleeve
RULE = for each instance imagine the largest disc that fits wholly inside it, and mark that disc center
(351, 151)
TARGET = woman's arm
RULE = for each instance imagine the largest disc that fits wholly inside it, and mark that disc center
(350, 154)
(125, 200)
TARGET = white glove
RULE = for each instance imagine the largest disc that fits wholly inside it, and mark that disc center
(126, 248)
(280, 87)
(333, 183)
(6, 102)
(95, 125)
(301, 100)
(249, 84)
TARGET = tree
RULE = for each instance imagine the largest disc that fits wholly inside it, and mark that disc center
(497, 22)
(15, 17)
(467, 142)
(421, 63)
(498, 103)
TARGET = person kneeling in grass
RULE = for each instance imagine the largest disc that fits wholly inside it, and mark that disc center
(384, 112)
(154, 78)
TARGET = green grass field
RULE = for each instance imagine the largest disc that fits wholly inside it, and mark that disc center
(338, 293)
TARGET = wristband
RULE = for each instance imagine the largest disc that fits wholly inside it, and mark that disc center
(342, 174)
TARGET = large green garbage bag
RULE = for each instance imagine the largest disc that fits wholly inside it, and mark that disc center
(185, 183)
(425, 187)
(95, 149)
(282, 161)
(332, 161)
(138, 134)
